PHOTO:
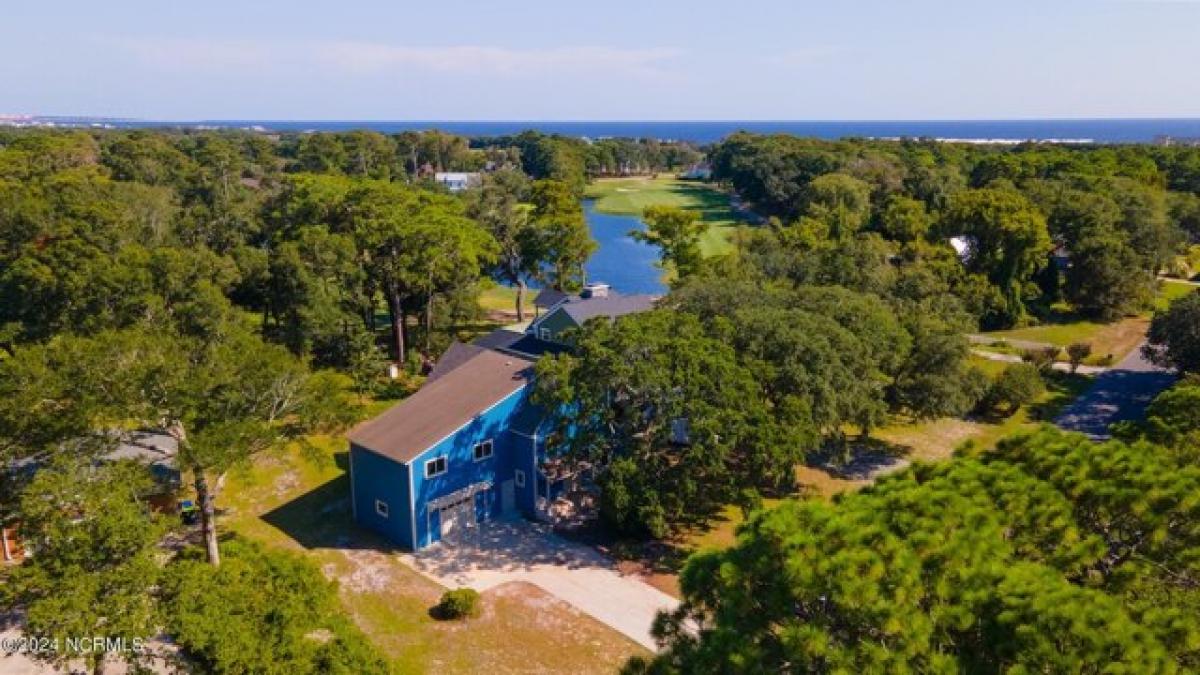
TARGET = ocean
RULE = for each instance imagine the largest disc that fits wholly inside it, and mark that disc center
(1083, 130)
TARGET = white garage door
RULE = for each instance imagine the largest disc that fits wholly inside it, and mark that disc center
(457, 515)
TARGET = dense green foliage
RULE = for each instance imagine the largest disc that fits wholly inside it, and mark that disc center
(732, 383)
(263, 611)
(1174, 337)
(1049, 554)
(1113, 217)
(94, 568)
(676, 232)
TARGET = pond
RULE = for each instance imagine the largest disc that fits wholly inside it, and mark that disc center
(628, 266)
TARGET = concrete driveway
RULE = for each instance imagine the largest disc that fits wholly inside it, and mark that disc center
(1120, 394)
(499, 552)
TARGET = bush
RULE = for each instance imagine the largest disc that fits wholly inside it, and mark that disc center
(458, 604)
(1019, 384)
(1042, 358)
(1078, 352)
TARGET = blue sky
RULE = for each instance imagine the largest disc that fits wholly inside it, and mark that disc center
(648, 59)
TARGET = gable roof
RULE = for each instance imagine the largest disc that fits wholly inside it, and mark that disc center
(443, 406)
(549, 297)
(455, 356)
(501, 338)
(612, 306)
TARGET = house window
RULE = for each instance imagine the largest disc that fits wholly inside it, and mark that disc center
(435, 467)
(483, 450)
(519, 478)
(544, 333)
(381, 508)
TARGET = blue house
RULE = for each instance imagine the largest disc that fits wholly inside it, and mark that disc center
(469, 446)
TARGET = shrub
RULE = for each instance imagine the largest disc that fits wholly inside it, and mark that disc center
(458, 604)
(1019, 384)
(1077, 352)
(1042, 358)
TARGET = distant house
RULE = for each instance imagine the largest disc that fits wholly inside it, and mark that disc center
(455, 181)
(572, 311)
(470, 445)
(154, 449)
(700, 171)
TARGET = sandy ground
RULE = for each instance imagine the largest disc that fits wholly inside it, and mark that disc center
(502, 552)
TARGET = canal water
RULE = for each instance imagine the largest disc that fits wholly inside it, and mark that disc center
(627, 265)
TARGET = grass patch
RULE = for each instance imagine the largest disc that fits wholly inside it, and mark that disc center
(1170, 291)
(630, 196)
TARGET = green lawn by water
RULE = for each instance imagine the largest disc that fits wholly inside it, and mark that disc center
(629, 196)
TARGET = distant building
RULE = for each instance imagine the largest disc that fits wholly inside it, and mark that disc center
(456, 181)
(699, 171)
(154, 449)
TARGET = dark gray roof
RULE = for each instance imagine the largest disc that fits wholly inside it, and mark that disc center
(612, 306)
(455, 356)
(443, 406)
(528, 420)
(498, 339)
(549, 297)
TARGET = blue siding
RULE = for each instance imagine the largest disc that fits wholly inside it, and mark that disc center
(377, 477)
(461, 468)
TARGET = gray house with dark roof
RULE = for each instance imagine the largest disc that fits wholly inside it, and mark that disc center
(469, 445)
(571, 312)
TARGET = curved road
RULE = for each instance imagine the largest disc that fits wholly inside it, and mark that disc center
(1120, 394)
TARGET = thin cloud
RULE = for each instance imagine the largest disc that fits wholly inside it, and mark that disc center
(369, 57)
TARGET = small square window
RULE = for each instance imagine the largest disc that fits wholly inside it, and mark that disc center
(435, 467)
(483, 450)
(381, 508)
(544, 333)
(519, 478)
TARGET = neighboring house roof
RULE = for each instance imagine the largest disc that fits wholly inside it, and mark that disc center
(443, 406)
(533, 347)
(520, 343)
(455, 356)
(549, 297)
(612, 306)
(500, 338)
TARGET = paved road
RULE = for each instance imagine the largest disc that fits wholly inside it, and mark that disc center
(496, 553)
(1120, 394)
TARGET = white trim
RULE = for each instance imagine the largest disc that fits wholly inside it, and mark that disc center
(353, 496)
(412, 508)
(464, 425)
(385, 512)
(491, 446)
(445, 459)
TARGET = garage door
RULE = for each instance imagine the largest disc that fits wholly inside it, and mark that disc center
(458, 515)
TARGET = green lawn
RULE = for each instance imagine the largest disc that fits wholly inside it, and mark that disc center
(629, 196)
(1172, 290)
(1110, 342)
